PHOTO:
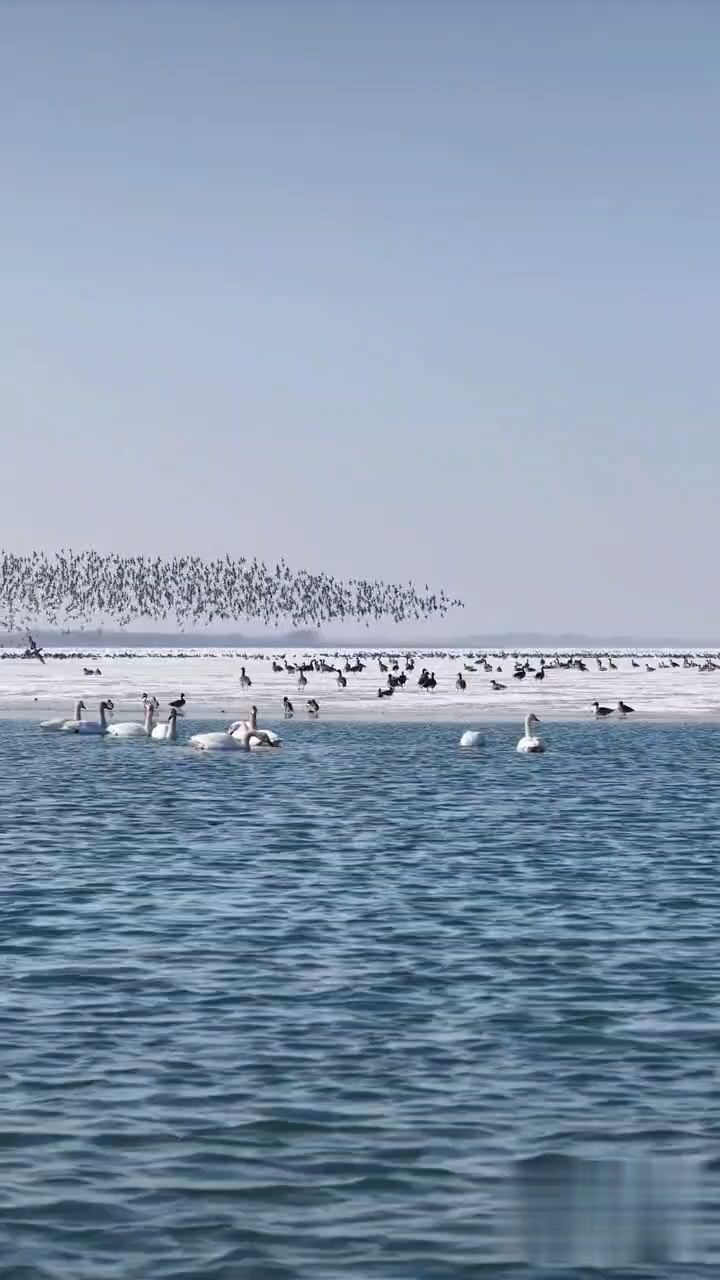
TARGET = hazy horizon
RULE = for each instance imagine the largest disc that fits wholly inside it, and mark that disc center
(374, 637)
(393, 291)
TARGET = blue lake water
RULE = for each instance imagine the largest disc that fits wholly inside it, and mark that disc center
(368, 1006)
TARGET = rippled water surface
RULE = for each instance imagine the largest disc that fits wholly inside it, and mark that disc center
(368, 1006)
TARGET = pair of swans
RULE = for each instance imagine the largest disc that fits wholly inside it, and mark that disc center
(89, 728)
(77, 724)
(529, 744)
(166, 732)
(94, 727)
(242, 735)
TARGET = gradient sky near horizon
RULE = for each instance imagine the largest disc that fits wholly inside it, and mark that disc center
(388, 287)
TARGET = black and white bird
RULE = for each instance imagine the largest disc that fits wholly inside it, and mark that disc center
(179, 703)
(601, 711)
(624, 709)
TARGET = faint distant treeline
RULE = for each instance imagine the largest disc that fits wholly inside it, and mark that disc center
(75, 587)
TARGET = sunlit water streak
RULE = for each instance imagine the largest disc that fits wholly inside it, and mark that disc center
(368, 1006)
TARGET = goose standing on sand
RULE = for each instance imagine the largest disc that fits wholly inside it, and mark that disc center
(95, 728)
(600, 712)
(624, 709)
(245, 681)
(461, 682)
(56, 725)
(178, 704)
(166, 732)
(530, 744)
(288, 708)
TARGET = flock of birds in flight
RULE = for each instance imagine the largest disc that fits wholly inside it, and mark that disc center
(77, 587)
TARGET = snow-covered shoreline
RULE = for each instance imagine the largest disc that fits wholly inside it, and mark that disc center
(210, 680)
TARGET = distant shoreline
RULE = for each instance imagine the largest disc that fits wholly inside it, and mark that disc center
(312, 638)
(92, 642)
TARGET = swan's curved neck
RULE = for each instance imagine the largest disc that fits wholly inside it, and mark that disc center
(528, 727)
(172, 728)
(103, 721)
(149, 716)
(78, 710)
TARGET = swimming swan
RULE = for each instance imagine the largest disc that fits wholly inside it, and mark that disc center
(247, 733)
(166, 732)
(530, 743)
(133, 728)
(56, 725)
(90, 727)
(217, 742)
(471, 738)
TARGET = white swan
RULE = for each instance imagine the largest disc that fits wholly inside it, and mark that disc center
(166, 732)
(530, 743)
(247, 733)
(217, 742)
(133, 728)
(471, 738)
(94, 727)
(56, 725)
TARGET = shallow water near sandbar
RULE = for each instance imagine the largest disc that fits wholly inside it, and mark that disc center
(367, 1006)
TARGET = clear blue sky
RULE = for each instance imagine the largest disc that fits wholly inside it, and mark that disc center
(387, 287)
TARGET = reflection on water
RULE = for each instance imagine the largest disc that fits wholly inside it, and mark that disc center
(369, 1006)
(575, 1211)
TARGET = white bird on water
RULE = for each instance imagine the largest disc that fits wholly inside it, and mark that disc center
(217, 741)
(471, 738)
(246, 732)
(56, 725)
(530, 743)
(90, 727)
(166, 732)
(133, 728)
